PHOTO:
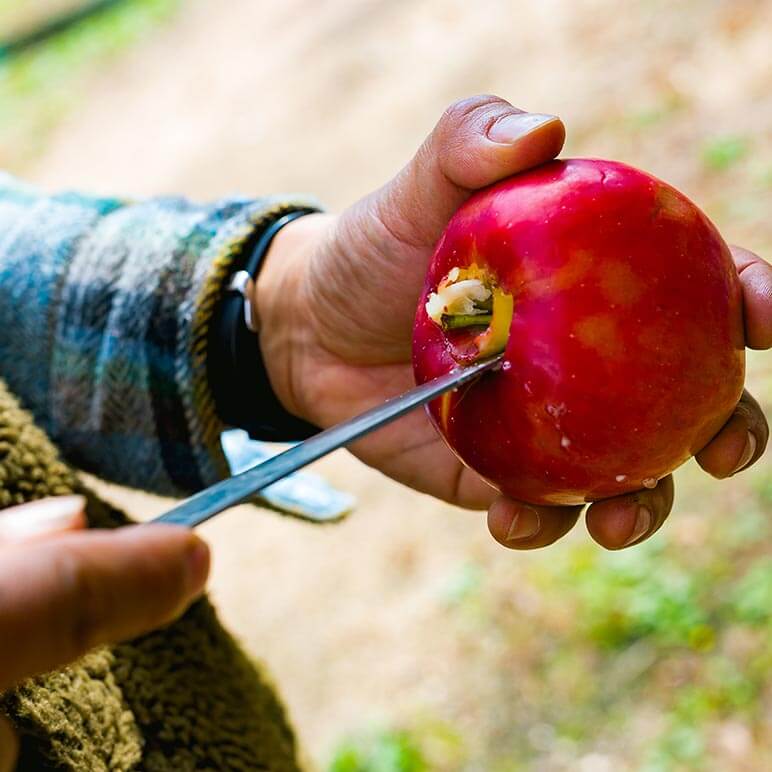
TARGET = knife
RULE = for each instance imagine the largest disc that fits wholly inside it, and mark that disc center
(237, 489)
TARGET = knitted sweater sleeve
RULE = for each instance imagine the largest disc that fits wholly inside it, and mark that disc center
(105, 308)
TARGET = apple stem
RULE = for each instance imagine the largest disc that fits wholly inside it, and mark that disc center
(460, 321)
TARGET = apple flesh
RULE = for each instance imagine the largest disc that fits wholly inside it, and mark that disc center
(618, 308)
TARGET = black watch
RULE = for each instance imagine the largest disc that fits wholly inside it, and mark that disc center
(238, 378)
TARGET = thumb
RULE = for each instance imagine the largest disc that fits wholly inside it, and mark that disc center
(9, 746)
(62, 596)
(477, 141)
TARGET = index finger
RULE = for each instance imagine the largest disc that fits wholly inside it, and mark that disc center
(60, 597)
(756, 280)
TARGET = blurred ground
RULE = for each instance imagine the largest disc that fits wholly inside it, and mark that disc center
(406, 623)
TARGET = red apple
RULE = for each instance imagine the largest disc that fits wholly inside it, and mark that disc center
(618, 309)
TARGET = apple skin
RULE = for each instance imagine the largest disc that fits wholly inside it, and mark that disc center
(626, 352)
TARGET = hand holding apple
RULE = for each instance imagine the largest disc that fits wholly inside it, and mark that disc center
(619, 312)
(353, 283)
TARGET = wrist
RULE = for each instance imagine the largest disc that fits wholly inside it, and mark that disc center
(280, 309)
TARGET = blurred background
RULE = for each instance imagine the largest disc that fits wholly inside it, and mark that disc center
(404, 639)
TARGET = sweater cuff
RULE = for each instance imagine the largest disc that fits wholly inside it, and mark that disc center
(207, 414)
(238, 377)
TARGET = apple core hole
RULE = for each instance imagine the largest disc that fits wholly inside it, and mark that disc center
(474, 313)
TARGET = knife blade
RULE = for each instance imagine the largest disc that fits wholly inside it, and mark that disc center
(211, 501)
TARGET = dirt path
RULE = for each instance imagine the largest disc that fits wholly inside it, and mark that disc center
(332, 98)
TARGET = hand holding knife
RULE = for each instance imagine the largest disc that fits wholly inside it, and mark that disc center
(211, 501)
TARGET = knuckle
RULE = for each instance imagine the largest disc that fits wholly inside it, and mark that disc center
(746, 258)
(461, 111)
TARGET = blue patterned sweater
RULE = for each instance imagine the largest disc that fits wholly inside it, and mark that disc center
(105, 307)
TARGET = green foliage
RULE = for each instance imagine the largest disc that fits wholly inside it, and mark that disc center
(752, 595)
(387, 751)
(722, 153)
(40, 85)
(680, 748)
(677, 631)
(631, 596)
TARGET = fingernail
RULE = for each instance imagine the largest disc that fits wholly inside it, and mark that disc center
(198, 566)
(747, 454)
(642, 524)
(525, 523)
(514, 126)
(40, 517)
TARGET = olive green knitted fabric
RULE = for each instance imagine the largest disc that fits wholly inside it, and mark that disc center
(182, 698)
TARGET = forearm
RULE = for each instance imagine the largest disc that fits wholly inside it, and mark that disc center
(104, 317)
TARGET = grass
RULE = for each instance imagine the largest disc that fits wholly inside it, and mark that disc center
(39, 87)
(647, 654)
(722, 153)
(386, 751)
